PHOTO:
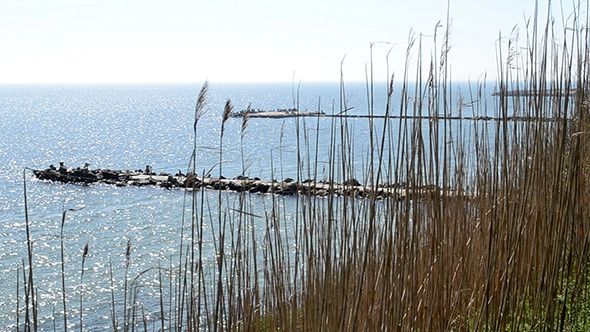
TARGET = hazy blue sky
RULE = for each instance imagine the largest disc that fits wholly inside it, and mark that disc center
(254, 40)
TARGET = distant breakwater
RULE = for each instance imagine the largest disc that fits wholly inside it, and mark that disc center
(291, 113)
(140, 178)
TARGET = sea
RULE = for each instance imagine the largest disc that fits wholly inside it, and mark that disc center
(129, 127)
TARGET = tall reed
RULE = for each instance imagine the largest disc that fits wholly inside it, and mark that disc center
(30, 283)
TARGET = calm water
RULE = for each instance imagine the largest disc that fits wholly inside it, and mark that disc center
(129, 127)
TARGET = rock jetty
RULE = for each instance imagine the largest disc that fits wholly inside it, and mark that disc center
(139, 178)
(275, 114)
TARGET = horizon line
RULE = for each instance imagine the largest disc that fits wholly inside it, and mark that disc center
(214, 82)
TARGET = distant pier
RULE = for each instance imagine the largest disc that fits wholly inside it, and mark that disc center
(291, 113)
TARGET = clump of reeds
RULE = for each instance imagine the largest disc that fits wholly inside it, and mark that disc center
(500, 240)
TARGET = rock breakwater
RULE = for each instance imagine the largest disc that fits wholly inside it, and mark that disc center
(140, 178)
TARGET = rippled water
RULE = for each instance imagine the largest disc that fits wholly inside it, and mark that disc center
(128, 127)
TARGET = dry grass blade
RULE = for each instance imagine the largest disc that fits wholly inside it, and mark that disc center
(227, 111)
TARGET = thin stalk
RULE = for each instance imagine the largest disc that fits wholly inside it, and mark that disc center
(31, 283)
(114, 320)
(84, 254)
(127, 264)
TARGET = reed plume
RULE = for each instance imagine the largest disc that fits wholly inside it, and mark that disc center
(201, 102)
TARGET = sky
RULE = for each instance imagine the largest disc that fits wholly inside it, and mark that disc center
(151, 41)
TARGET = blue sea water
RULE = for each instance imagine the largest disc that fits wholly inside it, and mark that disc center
(129, 127)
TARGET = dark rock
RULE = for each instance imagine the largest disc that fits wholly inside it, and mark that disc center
(289, 189)
(288, 180)
(109, 175)
(166, 184)
(219, 186)
(257, 187)
(84, 175)
(235, 186)
(261, 188)
(351, 182)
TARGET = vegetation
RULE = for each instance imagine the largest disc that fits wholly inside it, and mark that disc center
(503, 245)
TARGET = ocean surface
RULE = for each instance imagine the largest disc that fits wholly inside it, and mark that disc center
(128, 127)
